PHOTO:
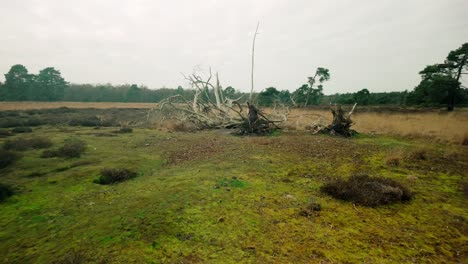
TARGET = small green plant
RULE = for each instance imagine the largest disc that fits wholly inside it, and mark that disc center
(5, 191)
(22, 144)
(115, 175)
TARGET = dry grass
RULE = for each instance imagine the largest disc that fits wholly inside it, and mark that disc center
(439, 125)
(442, 126)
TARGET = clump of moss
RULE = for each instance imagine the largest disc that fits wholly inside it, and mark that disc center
(21, 130)
(7, 158)
(115, 175)
(21, 144)
(71, 149)
(5, 191)
(368, 191)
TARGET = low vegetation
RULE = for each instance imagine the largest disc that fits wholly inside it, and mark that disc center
(7, 158)
(22, 144)
(71, 149)
(115, 175)
(21, 130)
(368, 191)
(125, 130)
(5, 191)
(5, 133)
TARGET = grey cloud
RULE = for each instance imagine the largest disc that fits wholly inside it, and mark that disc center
(379, 45)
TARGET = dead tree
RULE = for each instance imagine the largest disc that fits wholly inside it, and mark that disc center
(211, 109)
(340, 125)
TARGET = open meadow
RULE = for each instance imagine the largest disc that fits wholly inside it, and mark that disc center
(212, 197)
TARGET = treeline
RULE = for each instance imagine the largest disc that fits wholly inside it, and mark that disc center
(48, 85)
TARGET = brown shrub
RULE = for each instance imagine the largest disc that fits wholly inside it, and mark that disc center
(22, 144)
(111, 176)
(367, 191)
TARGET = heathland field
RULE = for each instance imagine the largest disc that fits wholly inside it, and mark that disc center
(211, 197)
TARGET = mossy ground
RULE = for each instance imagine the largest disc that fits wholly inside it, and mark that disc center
(211, 197)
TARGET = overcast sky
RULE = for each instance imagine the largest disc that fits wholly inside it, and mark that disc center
(380, 45)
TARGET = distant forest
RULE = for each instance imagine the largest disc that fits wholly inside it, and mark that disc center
(49, 85)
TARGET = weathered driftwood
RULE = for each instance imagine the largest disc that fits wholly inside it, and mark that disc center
(340, 125)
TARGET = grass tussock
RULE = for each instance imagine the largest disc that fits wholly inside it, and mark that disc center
(19, 130)
(22, 144)
(5, 191)
(71, 149)
(7, 158)
(367, 191)
(115, 175)
(125, 130)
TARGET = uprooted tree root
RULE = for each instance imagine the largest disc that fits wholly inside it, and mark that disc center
(211, 109)
(340, 125)
(368, 191)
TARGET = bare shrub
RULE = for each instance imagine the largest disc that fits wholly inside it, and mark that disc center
(21, 144)
(71, 149)
(7, 158)
(111, 176)
(367, 191)
(5, 191)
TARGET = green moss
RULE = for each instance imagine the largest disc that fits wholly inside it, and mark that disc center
(173, 213)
